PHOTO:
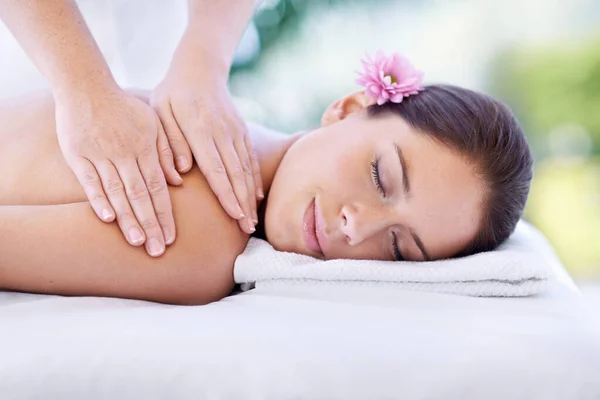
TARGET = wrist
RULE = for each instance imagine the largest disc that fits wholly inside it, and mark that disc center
(86, 88)
(88, 95)
(204, 59)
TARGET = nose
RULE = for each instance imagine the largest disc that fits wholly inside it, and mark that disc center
(360, 222)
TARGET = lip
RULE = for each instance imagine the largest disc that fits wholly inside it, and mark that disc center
(310, 229)
(319, 224)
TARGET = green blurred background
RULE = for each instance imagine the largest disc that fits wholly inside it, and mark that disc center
(541, 57)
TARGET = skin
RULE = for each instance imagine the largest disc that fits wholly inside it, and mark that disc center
(198, 114)
(115, 144)
(331, 163)
(51, 241)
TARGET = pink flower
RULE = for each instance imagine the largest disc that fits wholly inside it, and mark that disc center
(389, 78)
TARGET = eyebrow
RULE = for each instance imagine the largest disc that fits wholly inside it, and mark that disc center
(408, 194)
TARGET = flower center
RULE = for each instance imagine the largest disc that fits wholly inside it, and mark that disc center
(392, 77)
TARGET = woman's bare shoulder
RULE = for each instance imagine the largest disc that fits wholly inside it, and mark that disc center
(90, 258)
(205, 231)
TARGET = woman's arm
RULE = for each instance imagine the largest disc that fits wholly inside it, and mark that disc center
(66, 250)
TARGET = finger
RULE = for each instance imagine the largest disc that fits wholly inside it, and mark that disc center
(165, 156)
(141, 204)
(88, 177)
(159, 194)
(244, 160)
(243, 224)
(177, 141)
(210, 163)
(260, 194)
(115, 191)
(237, 177)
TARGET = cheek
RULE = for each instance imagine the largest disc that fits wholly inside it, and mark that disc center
(348, 169)
(342, 154)
(322, 163)
(323, 159)
(297, 178)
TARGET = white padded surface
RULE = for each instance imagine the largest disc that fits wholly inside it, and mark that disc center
(303, 342)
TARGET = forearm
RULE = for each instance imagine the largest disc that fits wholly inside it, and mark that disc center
(214, 31)
(55, 36)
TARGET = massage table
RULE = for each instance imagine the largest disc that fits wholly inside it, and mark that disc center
(305, 342)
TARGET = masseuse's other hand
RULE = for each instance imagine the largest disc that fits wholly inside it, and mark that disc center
(115, 145)
(199, 117)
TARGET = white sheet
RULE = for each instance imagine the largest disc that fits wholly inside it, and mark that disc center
(304, 342)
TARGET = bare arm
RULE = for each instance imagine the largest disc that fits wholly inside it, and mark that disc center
(55, 36)
(66, 250)
(113, 143)
(215, 29)
(197, 112)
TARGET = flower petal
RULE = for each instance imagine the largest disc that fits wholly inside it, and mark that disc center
(389, 78)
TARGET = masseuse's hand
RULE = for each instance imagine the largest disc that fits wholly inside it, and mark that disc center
(199, 118)
(115, 145)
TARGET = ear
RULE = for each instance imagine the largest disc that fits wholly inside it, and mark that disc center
(346, 106)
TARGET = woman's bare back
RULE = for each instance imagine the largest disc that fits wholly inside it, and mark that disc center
(76, 253)
(32, 168)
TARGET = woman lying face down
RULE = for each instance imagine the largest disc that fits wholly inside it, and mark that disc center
(443, 173)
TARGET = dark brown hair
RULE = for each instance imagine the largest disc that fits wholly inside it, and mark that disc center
(486, 133)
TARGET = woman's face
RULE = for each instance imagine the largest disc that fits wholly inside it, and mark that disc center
(357, 185)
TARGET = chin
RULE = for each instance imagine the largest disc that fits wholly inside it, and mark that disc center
(277, 236)
(281, 236)
(282, 245)
(285, 208)
(282, 239)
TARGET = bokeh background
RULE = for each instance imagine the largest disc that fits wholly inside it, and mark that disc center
(542, 57)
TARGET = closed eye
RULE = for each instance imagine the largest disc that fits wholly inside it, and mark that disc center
(377, 181)
(375, 176)
(397, 254)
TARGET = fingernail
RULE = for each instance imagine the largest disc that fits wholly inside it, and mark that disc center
(251, 226)
(107, 214)
(240, 212)
(168, 237)
(181, 163)
(155, 248)
(179, 179)
(260, 193)
(135, 235)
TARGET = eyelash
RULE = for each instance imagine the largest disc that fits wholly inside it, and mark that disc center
(375, 175)
(397, 254)
(377, 181)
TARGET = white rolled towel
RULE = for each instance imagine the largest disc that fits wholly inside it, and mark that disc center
(517, 268)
